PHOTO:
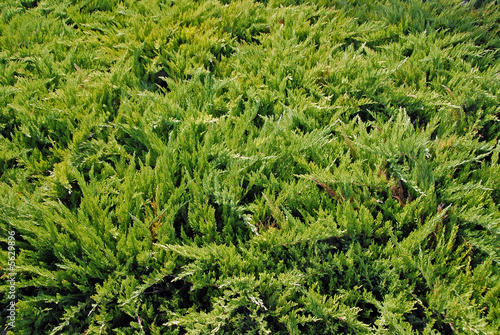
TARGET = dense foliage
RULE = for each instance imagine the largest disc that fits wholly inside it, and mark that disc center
(274, 167)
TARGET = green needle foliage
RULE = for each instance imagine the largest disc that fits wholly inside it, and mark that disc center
(251, 167)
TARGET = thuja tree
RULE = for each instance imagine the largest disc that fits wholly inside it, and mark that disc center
(273, 167)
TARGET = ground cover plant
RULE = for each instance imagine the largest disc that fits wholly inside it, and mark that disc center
(246, 167)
